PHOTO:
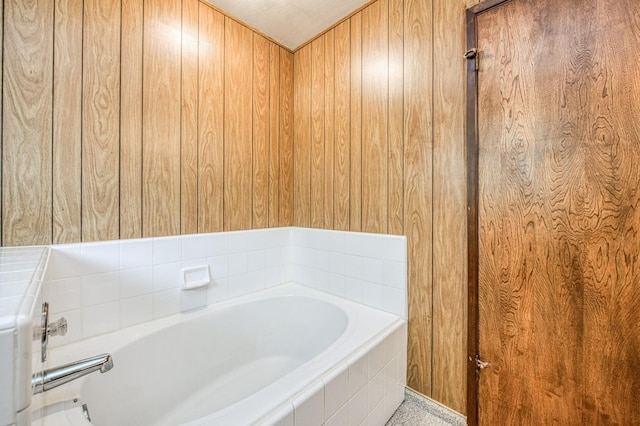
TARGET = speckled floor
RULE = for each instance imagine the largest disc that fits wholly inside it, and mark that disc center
(419, 411)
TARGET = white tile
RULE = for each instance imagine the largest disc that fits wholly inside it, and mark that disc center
(376, 359)
(167, 250)
(217, 244)
(238, 285)
(394, 301)
(64, 294)
(238, 242)
(358, 408)
(358, 374)
(336, 390)
(340, 418)
(166, 303)
(273, 257)
(258, 239)
(282, 417)
(376, 415)
(319, 239)
(372, 270)
(7, 367)
(390, 372)
(394, 274)
(238, 263)
(74, 328)
(136, 282)
(353, 266)
(273, 276)
(391, 402)
(100, 319)
(218, 290)
(337, 284)
(194, 247)
(166, 276)
(287, 253)
(100, 257)
(336, 263)
(392, 344)
(320, 260)
(136, 253)
(193, 299)
(337, 241)
(256, 260)
(373, 295)
(309, 407)
(395, 249)
(352, 243)
(372, 245)
(354, 289)
(100, 288)
(376, 390)
(219, 266)
(136, 310)
(402, 368)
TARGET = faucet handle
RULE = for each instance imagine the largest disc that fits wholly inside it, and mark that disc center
(57, 328)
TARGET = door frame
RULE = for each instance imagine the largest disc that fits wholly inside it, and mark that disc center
(473, 243)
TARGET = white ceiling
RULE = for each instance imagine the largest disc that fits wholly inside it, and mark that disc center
(289, 22)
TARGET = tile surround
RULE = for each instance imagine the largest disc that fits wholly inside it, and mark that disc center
(116, 284)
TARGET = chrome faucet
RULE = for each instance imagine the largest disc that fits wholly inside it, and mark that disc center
(54, 377)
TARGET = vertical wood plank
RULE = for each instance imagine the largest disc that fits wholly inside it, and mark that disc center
(302, 137)
(418, 187)
(274, 134)
(161, 118)
(286, 138)
(131, 119)
(342, 148)
(101, 121)
(375, 93)
(189, 118)
(260, 207)
(396, 117)
(355, 196)
(449, 207)
(329, 126)
(26, 124)
(67, 122)
(317, 133)
(210, 185)
(237, 126)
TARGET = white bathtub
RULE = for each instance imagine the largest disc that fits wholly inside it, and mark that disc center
(254, 360)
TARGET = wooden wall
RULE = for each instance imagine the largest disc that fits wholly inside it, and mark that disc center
(140, 118)
(379, 147)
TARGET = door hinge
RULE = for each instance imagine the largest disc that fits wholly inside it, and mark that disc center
(473, 54)
(480, 364)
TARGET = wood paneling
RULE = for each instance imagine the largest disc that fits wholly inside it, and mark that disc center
(286, 138)
(67, 122)
(302, 137)
(317, 133)
(329, 125)
(131, 119)
(375, 94)
(161, 118)
(26, 122)
(101, 121)
(355, 195)
(237, 126)
(342, 164)
(261, 132)
(189, 115)
(274, 135)
(210, 182)
(449, 207)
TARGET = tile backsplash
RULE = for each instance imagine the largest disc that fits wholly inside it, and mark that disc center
(105, 286)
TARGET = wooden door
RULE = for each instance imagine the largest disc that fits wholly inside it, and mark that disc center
(558, 211)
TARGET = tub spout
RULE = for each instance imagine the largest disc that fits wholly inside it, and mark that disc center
(54, 377)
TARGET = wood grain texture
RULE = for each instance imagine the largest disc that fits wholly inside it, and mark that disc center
(286, 138)
(558, 213)
(417, 188)
(26, 122)
(210, 192)
(67, 122)
(161, 118)
(317, 174)
(274, 135)
(237, 126)
(261, 62)
(302, 137)
(329, 126)
(396, 117)
(189, 117)
(101, 121)
(342, 147)
(375, 114)
(449, 207)
(355, 195)
(131, 119)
